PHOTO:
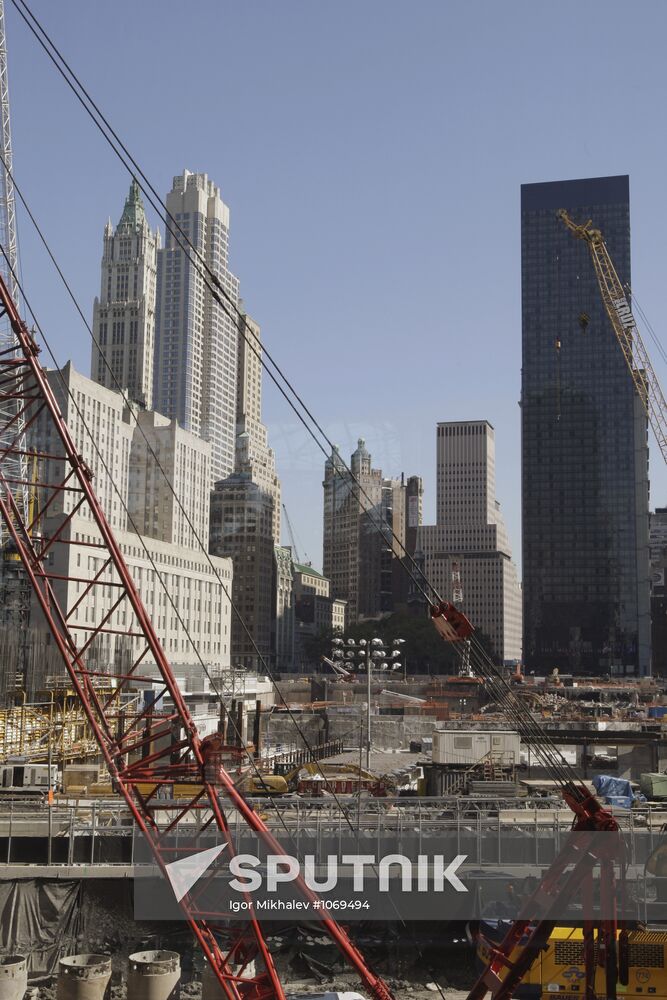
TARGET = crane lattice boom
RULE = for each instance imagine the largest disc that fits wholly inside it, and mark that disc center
(623, 322)
(147, 753)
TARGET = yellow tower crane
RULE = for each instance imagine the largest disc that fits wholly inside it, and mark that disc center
(623, 322)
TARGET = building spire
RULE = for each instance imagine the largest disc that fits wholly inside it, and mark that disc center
(133, 215)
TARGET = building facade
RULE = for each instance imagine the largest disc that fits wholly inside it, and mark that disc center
(366, 519)
(196, 343)
(124, 313)
(316, 612)
(584, 444)
(186, 593)
(284, 637)
(241, 529)
(253, 455)
(658, 555)
(470, 531)
(173, 507)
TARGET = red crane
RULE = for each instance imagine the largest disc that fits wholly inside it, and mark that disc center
(141, 751)
(597, 844)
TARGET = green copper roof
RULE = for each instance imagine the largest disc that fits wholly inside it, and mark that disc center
(133, 213)
(300, 568)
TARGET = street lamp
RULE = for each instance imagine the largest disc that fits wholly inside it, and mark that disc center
(373, 654)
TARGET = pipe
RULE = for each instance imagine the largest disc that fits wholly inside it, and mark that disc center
(13, 977)
(154, 975)
(83, 977)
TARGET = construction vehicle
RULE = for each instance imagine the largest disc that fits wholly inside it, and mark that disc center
(560, 966)
(146, 755)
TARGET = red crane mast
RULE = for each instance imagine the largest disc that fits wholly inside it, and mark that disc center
(140, 751)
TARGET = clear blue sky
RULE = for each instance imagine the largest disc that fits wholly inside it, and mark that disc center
(371, 154)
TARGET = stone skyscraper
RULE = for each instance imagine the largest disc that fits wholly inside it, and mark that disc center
(584, 444)
(470, 531)
(253, 455)
(196, 344)
(124, 314)
(362, 513)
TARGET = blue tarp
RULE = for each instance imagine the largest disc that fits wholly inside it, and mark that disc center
(616, 791)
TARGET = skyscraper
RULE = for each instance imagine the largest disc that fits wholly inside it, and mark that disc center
(470, 531)
(584, 444)
(124, 313)
(196, 340)
(253, 455)
(366, 522)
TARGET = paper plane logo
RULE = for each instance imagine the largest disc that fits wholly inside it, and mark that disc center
(186, 871)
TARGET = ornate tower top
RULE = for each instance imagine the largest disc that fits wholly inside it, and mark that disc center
(133, 215)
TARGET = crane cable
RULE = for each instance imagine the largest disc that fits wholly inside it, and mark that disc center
(213, 284)
(219, 294)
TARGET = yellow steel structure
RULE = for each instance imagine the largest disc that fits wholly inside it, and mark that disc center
(623, 322)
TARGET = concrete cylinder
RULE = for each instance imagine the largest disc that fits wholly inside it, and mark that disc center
(13, 977)
(83, 977)
(154, 975)
(210, 985)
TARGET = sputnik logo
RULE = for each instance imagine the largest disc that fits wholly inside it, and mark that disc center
(183, 873)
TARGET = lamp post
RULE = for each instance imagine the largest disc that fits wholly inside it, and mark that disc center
(353, 655)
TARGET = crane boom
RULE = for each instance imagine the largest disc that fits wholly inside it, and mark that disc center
(620, 315)
(140, 750)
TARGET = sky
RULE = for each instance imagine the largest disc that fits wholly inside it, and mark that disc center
(371, 155)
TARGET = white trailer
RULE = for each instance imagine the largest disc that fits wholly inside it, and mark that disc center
(467, 747)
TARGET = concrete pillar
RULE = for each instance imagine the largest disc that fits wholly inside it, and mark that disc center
(13, 977)
(83, 977)
(154, 975)
(211, 988)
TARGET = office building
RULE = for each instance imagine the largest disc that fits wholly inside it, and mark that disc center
(166, 562)
(283, 589)
(195, 371)
(124, 313)
(366, 519)
(253, 455)
(316, 612)
(470, 531)
(241, 528)
(658, 556)
(584, 444)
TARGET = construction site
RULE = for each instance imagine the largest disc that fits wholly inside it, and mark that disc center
(355, 832)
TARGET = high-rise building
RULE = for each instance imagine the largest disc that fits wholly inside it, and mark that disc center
(584, 444)
(198, 585)
(283, 614)
(366, 520)
(195, 372)
(253, 455)
(124, 313)
(470, 531)
(172, 504)
(242, 528)
(658, 553)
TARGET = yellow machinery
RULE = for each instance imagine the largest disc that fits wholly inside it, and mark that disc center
(559, 969)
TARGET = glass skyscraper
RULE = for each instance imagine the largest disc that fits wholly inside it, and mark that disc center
(584, 444)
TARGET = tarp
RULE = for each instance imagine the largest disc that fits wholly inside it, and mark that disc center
(616, 791)
(39, 918)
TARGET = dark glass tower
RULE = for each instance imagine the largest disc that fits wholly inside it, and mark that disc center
(584, 444)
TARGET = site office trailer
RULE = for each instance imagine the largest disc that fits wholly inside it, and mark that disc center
(468, 747)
